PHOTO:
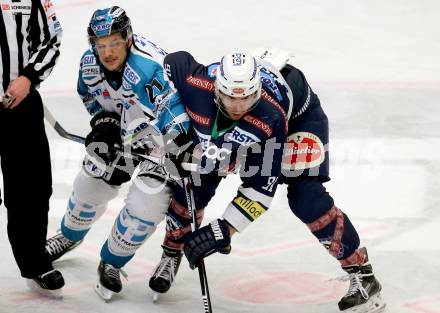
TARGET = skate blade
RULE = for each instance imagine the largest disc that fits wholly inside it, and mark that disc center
(54, 294)
(104, 293)
(374, 305)
(156, 296)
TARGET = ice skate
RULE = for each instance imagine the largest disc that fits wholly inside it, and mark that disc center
(363, 295)
(164, 273)
(58, 245)
(109, 281)
(48, 284)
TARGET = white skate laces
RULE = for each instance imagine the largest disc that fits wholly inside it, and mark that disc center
(58, 244)
(355, 285)
(166, 269)
(113, 272)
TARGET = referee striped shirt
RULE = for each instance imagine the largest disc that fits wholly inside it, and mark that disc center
(30, 37)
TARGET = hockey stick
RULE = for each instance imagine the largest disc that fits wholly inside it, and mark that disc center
(59, 129)
(65, 134)
(132, 155)
(188, 185)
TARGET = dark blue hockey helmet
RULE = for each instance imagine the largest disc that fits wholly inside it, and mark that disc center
(108, 21)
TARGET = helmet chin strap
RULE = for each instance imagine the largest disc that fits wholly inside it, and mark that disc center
(219, 104)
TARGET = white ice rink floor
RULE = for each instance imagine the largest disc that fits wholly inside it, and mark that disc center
(375, 66)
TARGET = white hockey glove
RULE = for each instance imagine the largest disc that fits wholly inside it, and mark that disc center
(277, 57)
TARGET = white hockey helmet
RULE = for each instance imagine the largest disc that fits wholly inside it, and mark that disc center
(238, 76)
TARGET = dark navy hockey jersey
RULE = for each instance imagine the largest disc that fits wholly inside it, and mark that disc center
(306, 147)
(225, 142)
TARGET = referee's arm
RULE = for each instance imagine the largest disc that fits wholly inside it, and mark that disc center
(46, 33)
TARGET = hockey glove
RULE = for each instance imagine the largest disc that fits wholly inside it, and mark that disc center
(207, 240)
(105, 134)
(277, 57)
(180, 151)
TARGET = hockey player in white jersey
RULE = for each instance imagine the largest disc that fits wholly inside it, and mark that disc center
(123, 86)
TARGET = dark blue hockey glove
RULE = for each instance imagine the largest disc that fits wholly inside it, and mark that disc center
(211, 238)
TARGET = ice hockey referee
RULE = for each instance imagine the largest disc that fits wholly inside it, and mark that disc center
(30, 37)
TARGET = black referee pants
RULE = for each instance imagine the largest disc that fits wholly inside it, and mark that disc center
(27, 181)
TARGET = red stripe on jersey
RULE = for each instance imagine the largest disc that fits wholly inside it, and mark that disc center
(258, 123)
(272, 101)
(200, 83)
(198, 118)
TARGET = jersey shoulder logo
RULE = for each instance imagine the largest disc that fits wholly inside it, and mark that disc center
(212, 70)
(130, 75)
(88, 60)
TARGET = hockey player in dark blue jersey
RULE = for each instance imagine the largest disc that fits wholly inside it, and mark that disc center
(209, 95)
(246, 120)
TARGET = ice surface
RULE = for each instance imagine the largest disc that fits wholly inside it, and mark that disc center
(375, 66)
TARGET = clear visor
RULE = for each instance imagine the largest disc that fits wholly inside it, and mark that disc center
(114, 45)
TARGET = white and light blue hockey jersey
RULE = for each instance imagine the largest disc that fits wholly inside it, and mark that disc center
(144, 99)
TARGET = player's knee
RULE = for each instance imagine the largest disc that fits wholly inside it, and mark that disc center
(82, 214)
(149, 199)
(136, 228)
(147, 208)
(87, 203)
(308, 199)
(149, 215)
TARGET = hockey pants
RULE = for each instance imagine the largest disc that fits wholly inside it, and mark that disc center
(145, 207)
